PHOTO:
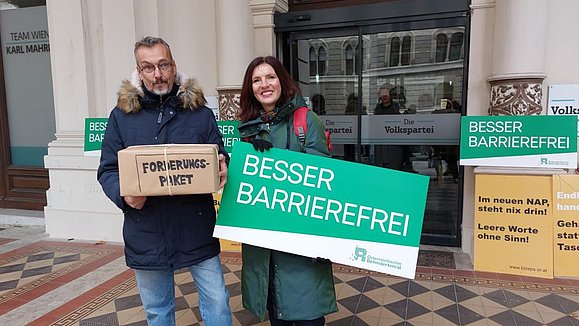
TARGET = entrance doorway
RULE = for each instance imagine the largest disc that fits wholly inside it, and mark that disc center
(392, 95)
(27, 120)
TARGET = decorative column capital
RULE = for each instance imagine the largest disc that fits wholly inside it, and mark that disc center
(228, 98)
(263, 10)
(516, 96)
(268, 6)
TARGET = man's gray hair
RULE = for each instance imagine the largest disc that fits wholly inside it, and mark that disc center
(149, 42)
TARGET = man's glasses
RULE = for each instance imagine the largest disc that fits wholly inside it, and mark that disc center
(165, 66)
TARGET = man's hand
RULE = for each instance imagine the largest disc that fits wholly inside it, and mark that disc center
(136, 202)
(222, 171)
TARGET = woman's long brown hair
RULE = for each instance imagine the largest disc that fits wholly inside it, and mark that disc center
(249, 105)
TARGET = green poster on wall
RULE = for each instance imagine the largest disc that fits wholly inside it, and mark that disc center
(519, 141)
(354, 214)
(94, 133)
(228, 130)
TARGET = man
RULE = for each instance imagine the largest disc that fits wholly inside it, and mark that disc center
(385, 104)
(389, 156)
(166, 233)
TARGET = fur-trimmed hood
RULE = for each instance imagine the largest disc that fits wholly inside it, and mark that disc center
(190, 93)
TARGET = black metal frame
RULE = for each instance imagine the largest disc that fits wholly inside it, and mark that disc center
(389, 16)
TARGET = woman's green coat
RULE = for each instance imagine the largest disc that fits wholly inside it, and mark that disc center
(304, 288)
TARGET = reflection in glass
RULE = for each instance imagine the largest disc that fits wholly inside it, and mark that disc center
(418, 73)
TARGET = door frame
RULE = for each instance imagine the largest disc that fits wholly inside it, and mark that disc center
(21, 187)
(360, 20)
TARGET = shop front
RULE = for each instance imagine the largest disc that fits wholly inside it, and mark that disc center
(27, 122)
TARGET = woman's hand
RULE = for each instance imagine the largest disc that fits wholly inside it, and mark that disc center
(260, 144)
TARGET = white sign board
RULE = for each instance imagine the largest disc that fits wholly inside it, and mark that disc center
(563, 100)
(436, 129)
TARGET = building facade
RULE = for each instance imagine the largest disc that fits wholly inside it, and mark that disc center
(458, 57)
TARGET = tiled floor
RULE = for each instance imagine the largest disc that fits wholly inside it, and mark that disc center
(50, 282)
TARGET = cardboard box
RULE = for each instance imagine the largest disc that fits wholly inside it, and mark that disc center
(170, 169)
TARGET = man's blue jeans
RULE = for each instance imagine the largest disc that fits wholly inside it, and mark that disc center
(157, 290)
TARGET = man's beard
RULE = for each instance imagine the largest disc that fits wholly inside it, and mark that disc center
(161, 91)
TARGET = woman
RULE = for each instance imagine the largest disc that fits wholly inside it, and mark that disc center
(294, 290)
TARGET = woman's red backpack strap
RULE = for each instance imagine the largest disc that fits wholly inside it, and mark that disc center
(301, 126)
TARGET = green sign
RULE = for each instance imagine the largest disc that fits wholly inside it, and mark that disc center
(354, 214)
(94, 132)
(519, 141)
(228, 130)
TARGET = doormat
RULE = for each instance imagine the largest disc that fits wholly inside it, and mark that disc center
(433, 258)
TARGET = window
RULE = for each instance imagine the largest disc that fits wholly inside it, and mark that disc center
(441, 46)
(455, 47)
(318, 62)
(322, 62)
(405, 55)
(400, 52)
(349, 60)
(449, 50)
(394, 52)
(313, 68)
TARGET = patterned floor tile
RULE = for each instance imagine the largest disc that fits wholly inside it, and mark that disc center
(559, 303)
(450, 313)
(550, 317)
(514, 300)
(467, 316)
(424, 299)
(498, 297)
(437, 296)
(398, 308)
(564, 321)
(510, 317)
(414, 309)
(463, 294)
(447, 292)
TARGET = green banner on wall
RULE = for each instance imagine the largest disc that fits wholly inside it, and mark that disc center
(94, 133)
(519, 141)
(228, 130)
(354, 214)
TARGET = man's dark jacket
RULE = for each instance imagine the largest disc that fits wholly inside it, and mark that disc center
(169, 232)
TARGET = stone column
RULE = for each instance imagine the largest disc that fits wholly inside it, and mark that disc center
(263, 11)
(89, 39)
(518, 66)
(234, 51)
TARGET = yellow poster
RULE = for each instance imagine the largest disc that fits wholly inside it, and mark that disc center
(566, 225)
(226, 245)
(513, 228)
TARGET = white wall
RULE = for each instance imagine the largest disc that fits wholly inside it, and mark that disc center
(561, 61)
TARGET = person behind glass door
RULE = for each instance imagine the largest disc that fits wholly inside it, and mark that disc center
(166, 233)
(318, 104)
(351, 109)
(292, 289)
(448, 153)
(390, 156)
(385, 104)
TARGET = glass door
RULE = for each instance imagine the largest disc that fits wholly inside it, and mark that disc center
(392, 97)
(330, 80)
